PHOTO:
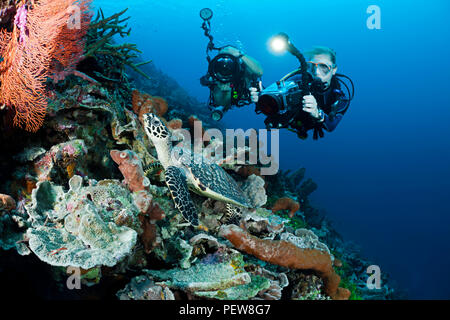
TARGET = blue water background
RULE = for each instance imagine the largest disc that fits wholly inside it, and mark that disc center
(384, 174)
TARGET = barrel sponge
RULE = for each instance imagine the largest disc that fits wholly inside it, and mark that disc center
(286, 254)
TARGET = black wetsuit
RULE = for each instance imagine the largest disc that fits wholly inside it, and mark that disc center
(333, 102)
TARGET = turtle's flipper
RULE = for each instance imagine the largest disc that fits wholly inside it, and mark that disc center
(233, 215)
(176, 181)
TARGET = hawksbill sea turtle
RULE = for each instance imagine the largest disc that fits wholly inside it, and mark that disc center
(186, 171)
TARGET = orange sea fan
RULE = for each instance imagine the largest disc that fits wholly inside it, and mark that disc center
(22, 77)
(29, 62)
(69, 48)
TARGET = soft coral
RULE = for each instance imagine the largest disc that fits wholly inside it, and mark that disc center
(29, 54)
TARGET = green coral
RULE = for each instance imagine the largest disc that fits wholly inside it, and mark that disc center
(350, 285)
(296, 222)
(345, 272)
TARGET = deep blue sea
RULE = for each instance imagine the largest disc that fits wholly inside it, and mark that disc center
(384, 173)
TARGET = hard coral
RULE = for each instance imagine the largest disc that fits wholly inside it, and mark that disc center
(201, 277)
(288, 255)
(68, 156)
(144, 103)
(253, 188)
(286, 204)
(77, 228)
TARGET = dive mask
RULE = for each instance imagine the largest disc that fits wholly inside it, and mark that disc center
(323, 68)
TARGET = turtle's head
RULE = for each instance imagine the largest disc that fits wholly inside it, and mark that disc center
(155, 128)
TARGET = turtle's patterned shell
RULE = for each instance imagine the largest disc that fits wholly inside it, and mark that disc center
(213, 177)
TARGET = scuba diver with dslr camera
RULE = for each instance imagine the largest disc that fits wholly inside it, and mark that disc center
(308, 98)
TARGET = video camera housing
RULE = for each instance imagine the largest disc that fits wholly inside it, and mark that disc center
(230, 74)
(229, 78)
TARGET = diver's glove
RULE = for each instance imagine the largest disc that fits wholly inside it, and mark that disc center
(310, 105)
(254, 93)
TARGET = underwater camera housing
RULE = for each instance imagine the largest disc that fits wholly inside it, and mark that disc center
(278, 98)
(280, 102)
(230, 74)
(225, 68)
(229, 80)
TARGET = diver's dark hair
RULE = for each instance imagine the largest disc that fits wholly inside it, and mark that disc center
(322, 50)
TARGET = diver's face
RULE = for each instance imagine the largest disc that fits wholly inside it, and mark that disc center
(322, 68)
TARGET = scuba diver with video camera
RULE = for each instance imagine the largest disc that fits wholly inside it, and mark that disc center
(231, 74)
(308, 98)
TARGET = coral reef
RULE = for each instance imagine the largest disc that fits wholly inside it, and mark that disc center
(306, 287)
(218, 276)
(87, 190)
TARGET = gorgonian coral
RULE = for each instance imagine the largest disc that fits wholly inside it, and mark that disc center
(46, 40)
